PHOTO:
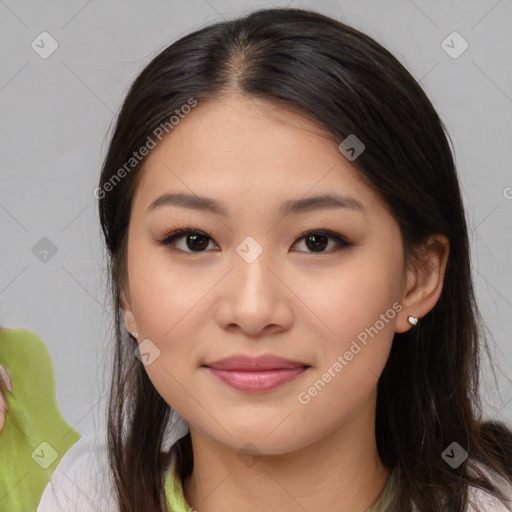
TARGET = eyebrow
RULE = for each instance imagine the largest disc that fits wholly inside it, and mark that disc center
(292, 206)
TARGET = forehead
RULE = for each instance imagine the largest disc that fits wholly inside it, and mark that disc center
(244, 150)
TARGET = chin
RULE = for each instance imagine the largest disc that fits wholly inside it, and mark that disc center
(258, 443)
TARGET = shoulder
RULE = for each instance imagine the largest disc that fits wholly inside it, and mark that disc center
(19, 338)
(482, 501)
(21, 349)
(81, 482)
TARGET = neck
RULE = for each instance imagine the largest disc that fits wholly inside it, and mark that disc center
(341, 472)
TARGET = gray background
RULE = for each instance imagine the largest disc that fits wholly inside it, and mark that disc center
(56, 112)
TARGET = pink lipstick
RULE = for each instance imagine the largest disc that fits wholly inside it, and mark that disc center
(262, 373)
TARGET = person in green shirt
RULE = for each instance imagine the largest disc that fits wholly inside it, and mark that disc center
(33, 434)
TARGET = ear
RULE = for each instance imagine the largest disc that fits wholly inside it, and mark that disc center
(424, 281)
(129, 318)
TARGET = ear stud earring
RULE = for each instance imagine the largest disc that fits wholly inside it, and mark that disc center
(412, 320)
(134, 334)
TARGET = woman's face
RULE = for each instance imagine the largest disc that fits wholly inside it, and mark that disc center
(250, 285)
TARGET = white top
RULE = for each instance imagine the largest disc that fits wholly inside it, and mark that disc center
(81, 481)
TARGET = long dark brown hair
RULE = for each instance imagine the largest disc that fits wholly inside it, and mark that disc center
(428, 393)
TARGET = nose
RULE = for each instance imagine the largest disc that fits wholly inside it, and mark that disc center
(254, 297)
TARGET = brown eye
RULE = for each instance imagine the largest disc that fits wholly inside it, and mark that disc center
(317, 241)
(195, 241)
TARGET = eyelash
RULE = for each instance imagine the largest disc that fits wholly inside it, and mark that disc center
(341, 242)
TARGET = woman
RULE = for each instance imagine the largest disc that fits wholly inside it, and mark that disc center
(289, 254)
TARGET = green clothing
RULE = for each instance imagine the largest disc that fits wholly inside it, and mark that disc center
(35, 435)
(174, 490)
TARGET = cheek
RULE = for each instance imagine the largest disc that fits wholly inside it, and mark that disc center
(360, 318)
(162, 292)
(353, 298)
(165, 301)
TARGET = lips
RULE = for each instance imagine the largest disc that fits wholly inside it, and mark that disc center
(261, 363)
(256, 374)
